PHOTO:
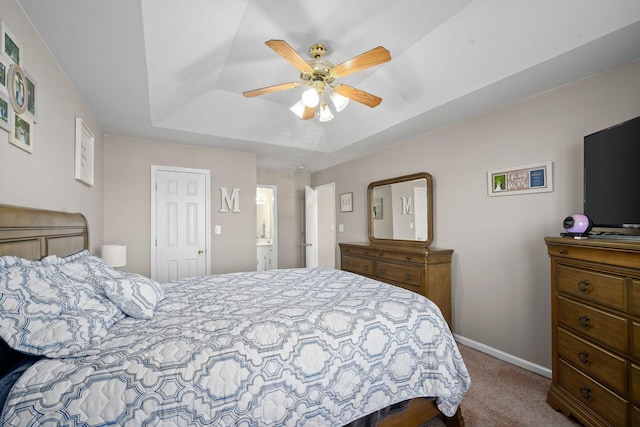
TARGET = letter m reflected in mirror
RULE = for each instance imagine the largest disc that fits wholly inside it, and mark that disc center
(229, 202)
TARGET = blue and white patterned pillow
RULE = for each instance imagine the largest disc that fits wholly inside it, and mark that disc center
(44, 312)
(134, 294)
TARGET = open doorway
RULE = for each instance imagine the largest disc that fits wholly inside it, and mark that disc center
(320, 217)
(266, 228)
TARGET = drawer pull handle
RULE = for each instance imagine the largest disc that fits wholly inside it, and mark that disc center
(585, 392)
(366, 268)
(408, 277)
(584, 321)
(583, 286)
(583, 356)
(563, 252)
(381, 270)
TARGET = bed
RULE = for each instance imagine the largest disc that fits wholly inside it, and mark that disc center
(288, 347)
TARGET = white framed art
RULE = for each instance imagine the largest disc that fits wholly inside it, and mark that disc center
(5, 112)
(534, 178)
(22, 135)
(84, 153)
(11, 47)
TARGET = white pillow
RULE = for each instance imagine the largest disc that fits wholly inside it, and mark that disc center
(134, 294)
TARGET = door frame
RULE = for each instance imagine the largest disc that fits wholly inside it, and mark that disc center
(207, 219)
(274, 213)
(331, 252)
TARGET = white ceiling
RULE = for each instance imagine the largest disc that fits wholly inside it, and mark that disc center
(176, 70)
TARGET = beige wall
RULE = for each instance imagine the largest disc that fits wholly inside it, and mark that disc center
(127, 199)
(45, 179)
(290, 201)
(501, 295)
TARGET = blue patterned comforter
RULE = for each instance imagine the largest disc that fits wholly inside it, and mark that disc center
(297, 347)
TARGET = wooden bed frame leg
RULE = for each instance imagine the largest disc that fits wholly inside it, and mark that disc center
(456, 420)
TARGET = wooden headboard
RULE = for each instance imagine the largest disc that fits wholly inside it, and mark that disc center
(33, 234)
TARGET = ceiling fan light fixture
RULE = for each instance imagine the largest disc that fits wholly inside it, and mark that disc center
(325, 113)
(339, 101)
(310, 97)
(298, 109)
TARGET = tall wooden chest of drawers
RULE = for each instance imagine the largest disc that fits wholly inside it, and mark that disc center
(426, 271)
(595, 297)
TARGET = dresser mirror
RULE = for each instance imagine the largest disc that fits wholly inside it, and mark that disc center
(401, 210)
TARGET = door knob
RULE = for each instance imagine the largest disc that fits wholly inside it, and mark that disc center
(306, 244)
(200, 252)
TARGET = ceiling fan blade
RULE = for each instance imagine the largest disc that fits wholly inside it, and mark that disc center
(270, 89)
(283, 49)
(309, 113)
(358, 95)
(373, 57)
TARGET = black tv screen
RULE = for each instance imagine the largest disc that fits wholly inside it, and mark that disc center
(612, 176)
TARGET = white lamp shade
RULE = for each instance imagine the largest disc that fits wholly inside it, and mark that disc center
(310, 97)
(325, 113)
(339, 101)
(114, 255)
(298, 109)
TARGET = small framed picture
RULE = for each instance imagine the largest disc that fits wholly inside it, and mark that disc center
(31, 98)
(4, 71)
(5, 113)
(346, 202)
(22, 135)
(11, 46)
(84, 153)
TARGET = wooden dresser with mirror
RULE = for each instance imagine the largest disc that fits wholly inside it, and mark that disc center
(400, 220)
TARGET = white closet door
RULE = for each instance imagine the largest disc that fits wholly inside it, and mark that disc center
(181, 226)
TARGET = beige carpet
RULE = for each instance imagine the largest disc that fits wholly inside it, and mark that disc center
(502, 394)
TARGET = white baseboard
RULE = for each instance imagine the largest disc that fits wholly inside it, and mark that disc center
(509, 358)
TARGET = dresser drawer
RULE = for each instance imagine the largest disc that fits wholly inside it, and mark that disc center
(600, 288)
(400, 256)
(606, 403)
(398, 273)
(635, 384)
(635, 340)
(635, 297)
(593, 360)
(357, 265)
(589, 322)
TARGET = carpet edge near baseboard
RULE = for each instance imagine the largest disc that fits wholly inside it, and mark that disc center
(499, 354)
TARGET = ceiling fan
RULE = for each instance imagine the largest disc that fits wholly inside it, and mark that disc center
(321, 76)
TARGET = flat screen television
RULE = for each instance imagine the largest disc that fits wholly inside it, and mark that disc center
(612, 178)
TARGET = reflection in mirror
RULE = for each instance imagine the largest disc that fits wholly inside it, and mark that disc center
(401, 209)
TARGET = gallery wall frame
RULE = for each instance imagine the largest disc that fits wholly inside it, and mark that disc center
(5, 64)
(525, 179)
(84, 153)
(32, 86)
(5, 112)
(11, 46)
(22, 135)
(346, 202)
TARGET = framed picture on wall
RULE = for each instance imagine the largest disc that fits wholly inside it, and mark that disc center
(534, 178)
(11, 46)
(22, 135)
(5, 113)
(31, 98)
(346, 202)
(84, 153)
(4, 72)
